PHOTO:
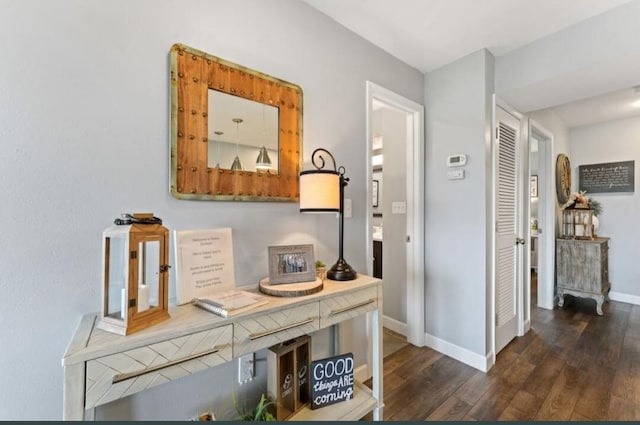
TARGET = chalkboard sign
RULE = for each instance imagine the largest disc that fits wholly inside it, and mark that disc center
(331, 380)
(608, 177)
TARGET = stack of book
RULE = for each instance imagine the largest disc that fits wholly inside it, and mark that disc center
(230, 302)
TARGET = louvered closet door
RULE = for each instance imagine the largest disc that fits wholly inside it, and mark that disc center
(508, 135)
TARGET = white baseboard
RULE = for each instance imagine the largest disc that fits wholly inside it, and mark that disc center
(463, 355)
(625, 298)
(394, 325)
(361, 373)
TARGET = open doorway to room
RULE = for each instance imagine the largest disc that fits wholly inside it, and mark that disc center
(395, 213)
(542, 223)
(389, 205)
(389, 220)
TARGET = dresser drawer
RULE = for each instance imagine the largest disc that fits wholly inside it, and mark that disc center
(344, 307)
(119, 375)
(268, 329)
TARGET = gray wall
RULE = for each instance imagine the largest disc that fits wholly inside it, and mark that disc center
(84, 124)
(458, 119)
(614, 141)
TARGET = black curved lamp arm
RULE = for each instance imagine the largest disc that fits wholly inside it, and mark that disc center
(317, 158)
(318, 161)
(341, 270)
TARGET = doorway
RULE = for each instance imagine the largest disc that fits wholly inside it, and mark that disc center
(542, 215)
(395, 212)
(524, 242)
(510, 269)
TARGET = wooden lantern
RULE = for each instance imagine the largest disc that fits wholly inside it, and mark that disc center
(135, 284)
(577, 223)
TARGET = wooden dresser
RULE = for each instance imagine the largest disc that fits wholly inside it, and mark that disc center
(582, 268)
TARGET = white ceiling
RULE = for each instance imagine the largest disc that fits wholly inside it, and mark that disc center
(428, 34)
(611, 106)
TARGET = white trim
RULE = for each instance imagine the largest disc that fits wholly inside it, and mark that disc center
(546, 284)
(415, 210)
(491, 230)
(624, 298)
(361, 373)
(475, 360)
(524, 220)
(394, 325)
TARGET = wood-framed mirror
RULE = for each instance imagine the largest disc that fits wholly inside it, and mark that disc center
(236, 133)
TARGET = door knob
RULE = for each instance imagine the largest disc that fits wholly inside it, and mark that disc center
(519, 241)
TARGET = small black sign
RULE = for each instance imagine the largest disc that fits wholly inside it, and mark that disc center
(608, 177)
(331, 380)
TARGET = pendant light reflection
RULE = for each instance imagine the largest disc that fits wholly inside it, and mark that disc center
(237, 166)
(263, 162)
(218, 133)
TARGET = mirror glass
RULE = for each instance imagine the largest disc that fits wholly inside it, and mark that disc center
(241, 128)
(221, 110)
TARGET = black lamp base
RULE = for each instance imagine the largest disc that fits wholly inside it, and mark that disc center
(341, 271)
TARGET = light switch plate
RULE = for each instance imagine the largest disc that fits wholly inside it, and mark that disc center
(455, 174)
(245, 368)
(398, 207)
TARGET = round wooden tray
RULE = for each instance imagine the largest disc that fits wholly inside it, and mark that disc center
(290, 289)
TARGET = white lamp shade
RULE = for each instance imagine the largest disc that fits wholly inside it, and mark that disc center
(319, 191)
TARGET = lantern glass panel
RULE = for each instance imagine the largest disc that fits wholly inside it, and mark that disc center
(577, 223)
(116, 279)
(148, 275)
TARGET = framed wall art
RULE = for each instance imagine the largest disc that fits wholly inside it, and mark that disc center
(609, 177)
(291, 264)
(534, 186)
(374, 190)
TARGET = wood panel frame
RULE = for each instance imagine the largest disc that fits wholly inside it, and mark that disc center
(193, 73)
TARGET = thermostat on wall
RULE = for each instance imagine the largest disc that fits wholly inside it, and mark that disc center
(456, 160)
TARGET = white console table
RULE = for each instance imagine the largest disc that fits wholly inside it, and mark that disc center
(100, 367)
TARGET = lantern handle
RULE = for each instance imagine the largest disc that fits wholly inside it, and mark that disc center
(126, 219)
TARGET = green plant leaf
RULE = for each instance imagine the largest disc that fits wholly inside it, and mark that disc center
(260, 412)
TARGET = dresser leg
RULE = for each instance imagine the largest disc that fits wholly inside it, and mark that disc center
(560, 299)
(599, 301)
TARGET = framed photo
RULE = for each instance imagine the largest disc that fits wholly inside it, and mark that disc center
(291, 264)
(374, 190)
(534, 186)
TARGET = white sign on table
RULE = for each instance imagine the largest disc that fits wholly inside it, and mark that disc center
(204, 263)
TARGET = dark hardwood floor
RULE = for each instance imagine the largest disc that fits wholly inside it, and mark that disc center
(571, 365)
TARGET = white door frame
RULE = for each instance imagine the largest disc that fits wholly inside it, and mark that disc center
(546, 256)
(415, 208)
(523, 261)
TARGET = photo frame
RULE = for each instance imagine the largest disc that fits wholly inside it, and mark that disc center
(291, 264)
(534, 186)
(374, 190)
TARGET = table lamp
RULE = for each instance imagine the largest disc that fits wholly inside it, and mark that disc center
(322, 190)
